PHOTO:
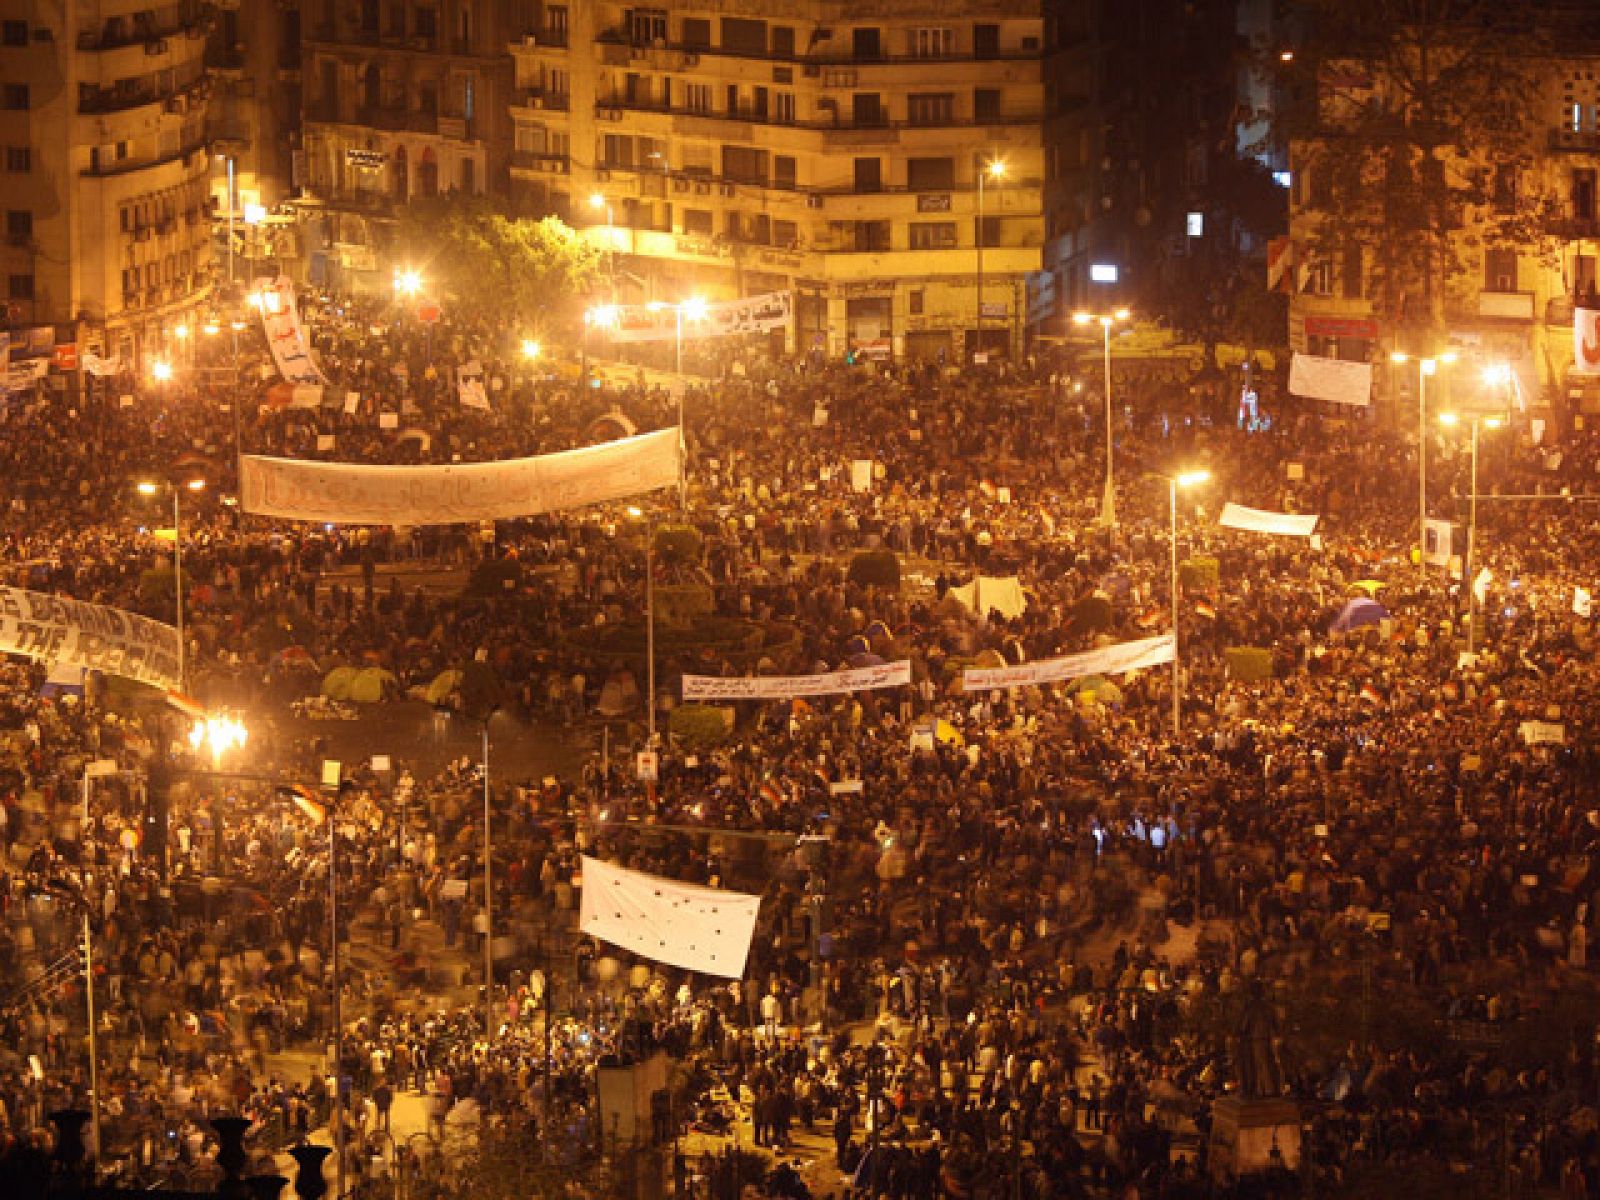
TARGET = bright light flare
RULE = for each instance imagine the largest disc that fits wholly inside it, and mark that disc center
(1192, 478)
(694, 309)
(408, 282)
(219, 734)
(603, 316)
(161, 371)
(531, 348)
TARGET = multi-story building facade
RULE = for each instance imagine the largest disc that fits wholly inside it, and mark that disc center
(254, 61)
(403, 98)
(103, 168)
(884, 161)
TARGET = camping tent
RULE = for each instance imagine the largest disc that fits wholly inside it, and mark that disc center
(989, 593)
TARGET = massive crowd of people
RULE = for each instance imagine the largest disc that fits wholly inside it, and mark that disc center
(1012, 943)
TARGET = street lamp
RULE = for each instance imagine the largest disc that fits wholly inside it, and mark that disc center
(531, 349)
(219, 734)
(1450, 420)
(407, 282)
(161, 371)
(693, 309)
(1185, 479)
(149, 488)
(1426, 367)
(1108, 502)
(996, 170)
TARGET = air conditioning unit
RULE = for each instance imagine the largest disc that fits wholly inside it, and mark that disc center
(159, 46)
(702, 189)
(529, 42)
(680, 185)
(727, 189)
(602, 176)
(812, 71)
(691, 60)
(813, 201)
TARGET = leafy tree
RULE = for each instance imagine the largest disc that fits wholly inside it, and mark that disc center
(1416, 144)
(476, 251)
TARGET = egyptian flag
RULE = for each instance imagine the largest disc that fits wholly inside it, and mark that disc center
(1152, 618)
(187, 705)
(1203, 609)
(1371, 694)
(306, 800)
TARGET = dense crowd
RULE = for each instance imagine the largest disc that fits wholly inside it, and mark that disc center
(1028, 943)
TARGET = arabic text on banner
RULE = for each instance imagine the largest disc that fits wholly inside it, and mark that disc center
(58, 629)
(1108, 660)
(789, 687)
(1331, 379)
(286, 338)
(754, 314)
(361, 494)
(682, 924)
(1260, 520)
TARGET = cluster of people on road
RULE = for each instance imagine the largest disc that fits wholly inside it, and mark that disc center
(1009, 938)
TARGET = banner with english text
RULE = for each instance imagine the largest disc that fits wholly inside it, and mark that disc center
(64, 631)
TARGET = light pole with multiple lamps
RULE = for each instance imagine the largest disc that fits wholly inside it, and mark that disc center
(1108, 502)
(1469, 560)
(1185, 479)
(994, 169)
(150, 488)
(1426, 368)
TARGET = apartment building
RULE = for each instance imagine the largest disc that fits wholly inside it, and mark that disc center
(103, 168)
(403, 98)
(884, 161)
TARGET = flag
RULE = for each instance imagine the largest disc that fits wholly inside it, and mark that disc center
(682, 924)
(1151, 618)
(1205, 610)
(1480, 585)
(1586, 341)
(1281, 257)
(187, 705)
(771, 796)
(1582, 601)
(1371, 694)
(307, 801)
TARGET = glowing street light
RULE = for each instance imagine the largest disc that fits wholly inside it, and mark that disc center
(211, 329)
(161, 371)
(1108, 502)
(1426, 369)
(995, 170)
(531, 349)
(219, 734)
(407, 282)
(147, 487)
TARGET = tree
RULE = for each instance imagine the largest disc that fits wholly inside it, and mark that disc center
(476, 251)
(1414, 146)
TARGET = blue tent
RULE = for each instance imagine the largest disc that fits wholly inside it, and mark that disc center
(1356, 613)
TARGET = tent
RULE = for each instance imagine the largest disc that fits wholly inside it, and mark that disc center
(1358, 613)
(923, 736)
(1367, 587)
(444, 683)
(989, 593)
(336, 684)
(371, 685)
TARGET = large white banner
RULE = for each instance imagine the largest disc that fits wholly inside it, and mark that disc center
(1260, 520)
(1108, 660)
(58, 629)
(1331, 379)
(280, 318)
(789, 687)
(23, 374)
(359, 494)
(1586, 341)
(469, 385)
(681, 924)
(754, 314)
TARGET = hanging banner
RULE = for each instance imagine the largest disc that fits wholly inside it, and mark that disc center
(359, 494)
(1331, 379)
(1260, 520)
(22, 375)
(754, 314)
(100, 367)
(286, 338)
(681, 924)
(469, 385)
(789, 687)
(1586, 341)
(58, 629)
(1108, 660)
(1438, 542)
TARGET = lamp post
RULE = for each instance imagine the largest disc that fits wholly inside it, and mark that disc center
(1469, 560)
(149, 488)
(1426, 368)
(1185, 479)
(995, 169)
(649, 622)
(1108, 502)
(694, 309)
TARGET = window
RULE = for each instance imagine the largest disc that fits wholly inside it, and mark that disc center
(1319, 278)
(1353, 276)
(744, 164)
(20, 287)
(469, 176)
(866, 108)
(931, 108)
(986, 104)
(986, 41)
(871, 236)
(697, 220)
(427, 24)
(783, 108)
(986, 232)
(1505, 188)
(560, 145)
(397, 20)
(557, 82)
(784, 233)
(1499, 269)
(19, 224)
(867, 44)
(697, 97)
(555, 24)
(1583, 193)
(782, 41)
(19, 159)
(783, 171)
(647, 26)
(869, 175)
(697, 33)
(915, 302)
(933, 43)
(933, 235)
(14, 33)
(931, 174)
(618, 151)
(14, 96)
(744, 36)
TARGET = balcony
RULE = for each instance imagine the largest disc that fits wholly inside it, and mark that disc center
(1582, 141)
(127, 166)
(116, 34)
(549, 164)
(1574, 229)
(459, 128)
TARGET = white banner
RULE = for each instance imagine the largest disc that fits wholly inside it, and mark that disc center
(1543, 733)
(93, 364)
(1582, 602)
(1331, 379)
(1108, 660)
(754, 314)
(1438, 542)
(23, 374)
(788, 687)
(359, 494)
(58, 629)
(1586, 341)
(1260, 520)
(280, 319)
(469, 385)
(680, 924)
